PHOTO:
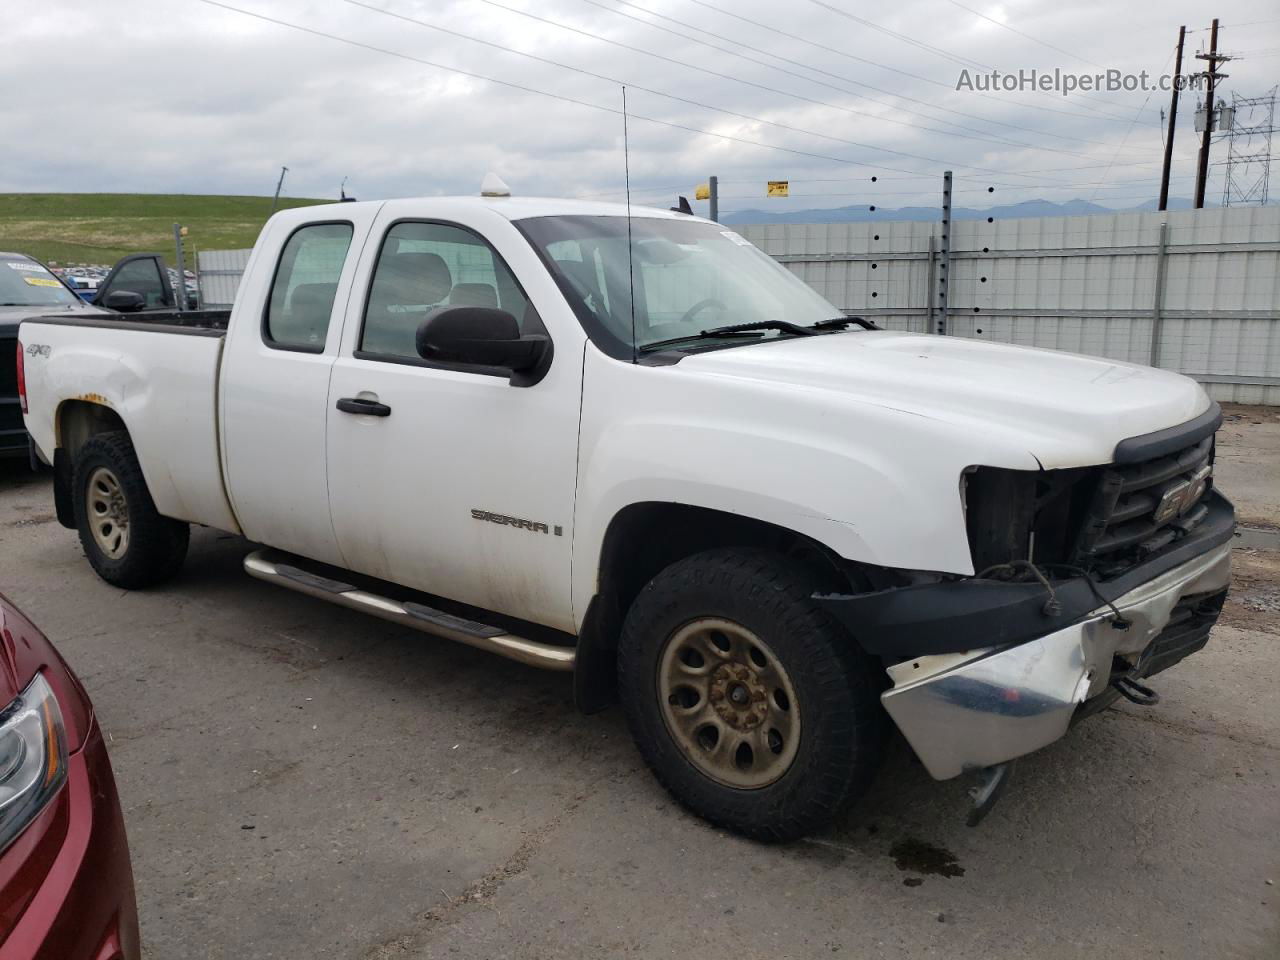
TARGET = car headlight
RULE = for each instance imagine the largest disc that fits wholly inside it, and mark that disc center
(33, 757)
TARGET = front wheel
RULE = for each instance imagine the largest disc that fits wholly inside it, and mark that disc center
(128, 543)
(750, 704)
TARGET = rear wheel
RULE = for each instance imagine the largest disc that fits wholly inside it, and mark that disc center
(751, 705)
(127, 541)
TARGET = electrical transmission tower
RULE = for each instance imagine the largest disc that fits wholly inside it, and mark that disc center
(1249, 150)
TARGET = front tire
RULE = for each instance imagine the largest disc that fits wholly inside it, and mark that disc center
(750, 704)
(128, 543)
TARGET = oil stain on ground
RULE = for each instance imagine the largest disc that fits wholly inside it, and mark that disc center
(917, 856)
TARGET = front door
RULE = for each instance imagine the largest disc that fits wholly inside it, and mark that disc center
(448, 479)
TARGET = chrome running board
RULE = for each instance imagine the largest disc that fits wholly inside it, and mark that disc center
(274, 568)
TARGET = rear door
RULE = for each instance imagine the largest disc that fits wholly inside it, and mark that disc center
(284, 335)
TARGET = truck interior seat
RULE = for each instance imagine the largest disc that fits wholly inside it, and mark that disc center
(474, 295)
(307, 318)
(405, 287)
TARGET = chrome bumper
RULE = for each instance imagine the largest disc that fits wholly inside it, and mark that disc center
(965, 711)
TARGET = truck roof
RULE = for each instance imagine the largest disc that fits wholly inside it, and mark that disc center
(513, 208)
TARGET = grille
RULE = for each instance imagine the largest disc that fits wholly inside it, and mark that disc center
(1140, 508)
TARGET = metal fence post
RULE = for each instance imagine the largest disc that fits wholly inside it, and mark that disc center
(944, 268)
(929, 284)
(179, 284)
(1157, 306)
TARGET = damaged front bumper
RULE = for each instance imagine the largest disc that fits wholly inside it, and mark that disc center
(966, 706)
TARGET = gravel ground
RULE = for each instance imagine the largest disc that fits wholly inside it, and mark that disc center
(303, 782)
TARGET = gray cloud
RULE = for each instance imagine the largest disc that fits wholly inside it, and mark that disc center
(177, 96)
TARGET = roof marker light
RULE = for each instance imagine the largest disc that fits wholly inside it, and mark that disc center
(492, 186)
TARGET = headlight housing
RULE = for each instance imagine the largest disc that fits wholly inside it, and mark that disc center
(33, 757)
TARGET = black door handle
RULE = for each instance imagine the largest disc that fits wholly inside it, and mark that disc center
(367, 408)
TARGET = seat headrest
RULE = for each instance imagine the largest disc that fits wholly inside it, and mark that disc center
(313, 297)
(474, 295)
(414, 277)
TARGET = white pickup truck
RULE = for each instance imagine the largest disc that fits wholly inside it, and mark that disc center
(636, 448)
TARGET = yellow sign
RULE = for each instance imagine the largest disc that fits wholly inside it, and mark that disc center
(182, 232)
(779, 188)
(702, 192)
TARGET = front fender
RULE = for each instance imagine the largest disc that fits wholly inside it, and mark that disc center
(873, 484)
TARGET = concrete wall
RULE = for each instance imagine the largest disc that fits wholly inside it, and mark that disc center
(1085, 284)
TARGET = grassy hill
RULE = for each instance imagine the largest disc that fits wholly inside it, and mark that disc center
(103, 227)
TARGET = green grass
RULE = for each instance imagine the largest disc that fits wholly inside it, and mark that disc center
(103, 227)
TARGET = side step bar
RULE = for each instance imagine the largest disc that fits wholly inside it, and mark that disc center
(266, 565)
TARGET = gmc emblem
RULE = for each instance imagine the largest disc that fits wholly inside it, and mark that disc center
(1183, 495)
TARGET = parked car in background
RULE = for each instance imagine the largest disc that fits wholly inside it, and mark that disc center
(66, 884)
(27, 289)
(139, 283)
(86, 287)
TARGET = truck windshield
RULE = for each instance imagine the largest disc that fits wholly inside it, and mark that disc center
(24, 283)
(689, 276)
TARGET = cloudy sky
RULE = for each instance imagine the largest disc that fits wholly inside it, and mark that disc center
(188, 96)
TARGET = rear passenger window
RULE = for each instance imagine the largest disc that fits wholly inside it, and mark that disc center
(305, 285)
(426, 265)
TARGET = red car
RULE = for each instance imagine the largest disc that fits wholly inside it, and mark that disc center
(66, 886)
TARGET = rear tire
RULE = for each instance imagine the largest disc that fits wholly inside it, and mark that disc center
(751, 705)
(128, 543)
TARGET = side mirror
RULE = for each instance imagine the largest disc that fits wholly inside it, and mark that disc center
(483, 336)
(125, 301)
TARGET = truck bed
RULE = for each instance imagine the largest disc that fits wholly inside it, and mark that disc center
(197, 323)
(158, 374)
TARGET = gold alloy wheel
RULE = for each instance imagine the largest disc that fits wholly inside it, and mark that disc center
(108, 513)
(729, 703)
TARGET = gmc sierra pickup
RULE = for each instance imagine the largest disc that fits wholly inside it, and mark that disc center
(636, 448)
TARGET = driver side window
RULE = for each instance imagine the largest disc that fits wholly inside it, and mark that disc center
(426, 265)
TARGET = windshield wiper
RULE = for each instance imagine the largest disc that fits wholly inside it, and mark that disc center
(752, 329)
(839, 323)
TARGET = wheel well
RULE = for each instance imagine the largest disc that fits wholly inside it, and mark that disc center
(646, 538)
(76, 422)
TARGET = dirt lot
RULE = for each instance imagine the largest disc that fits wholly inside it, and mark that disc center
(303, 782)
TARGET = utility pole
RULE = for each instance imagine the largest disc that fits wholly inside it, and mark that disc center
(1248, 173)
(1212, 75)
(1173, 120)
(713, 185)
(284, 170)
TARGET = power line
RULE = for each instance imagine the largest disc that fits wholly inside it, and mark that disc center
(937, 51)
(1043, 43)
(1136, 114)
(679, 99)
(759, 86)
(884, 66)
(849, 80)
(581, 103)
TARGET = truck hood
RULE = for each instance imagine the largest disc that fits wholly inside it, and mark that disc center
(11, 317)
(1065, 409)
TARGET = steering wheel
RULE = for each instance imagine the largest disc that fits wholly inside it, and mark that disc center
(702, 305)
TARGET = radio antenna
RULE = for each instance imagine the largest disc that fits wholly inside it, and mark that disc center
(631, 270)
